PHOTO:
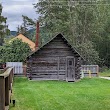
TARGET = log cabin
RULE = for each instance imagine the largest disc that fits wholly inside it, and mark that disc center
(56, 60)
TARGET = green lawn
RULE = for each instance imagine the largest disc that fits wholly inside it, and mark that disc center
(105, 73)
(87, 94)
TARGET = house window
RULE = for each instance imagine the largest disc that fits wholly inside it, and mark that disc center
(70, 62)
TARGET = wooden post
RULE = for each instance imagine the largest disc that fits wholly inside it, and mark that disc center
(2, 93)
(89, 74)
(6, 91)
(97, 70)
(37, 35)
(24, 70)
(12, 72)
(58, 68)
(82, 74)
(10, 81)
(5, 88)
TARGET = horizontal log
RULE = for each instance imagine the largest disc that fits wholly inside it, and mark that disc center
(44, 76)
(56, 43)
(55, 54)
(34, 78)
(48, 71)
(56, 51)
(48, 59)
(62, 77)
(58, 40)
(57, 47)
(62, 49)
(45, 73)
(49, 76)
(43, 67)
(40, 74)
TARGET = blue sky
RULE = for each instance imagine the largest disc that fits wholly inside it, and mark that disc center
(14, 9)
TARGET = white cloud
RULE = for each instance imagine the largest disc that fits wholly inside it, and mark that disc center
(14, 9)
(13, 25)
(17, 9)
(18, 2)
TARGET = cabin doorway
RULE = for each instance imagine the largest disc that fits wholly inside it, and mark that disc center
(70, 69)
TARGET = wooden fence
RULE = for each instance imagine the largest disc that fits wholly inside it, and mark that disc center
(89, 71)
(18, 68)
(6, 80)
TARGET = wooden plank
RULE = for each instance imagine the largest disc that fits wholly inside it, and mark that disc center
(55, 54)
(57, 47)
(6, 107)
(63, 49)
(6, 91)
(38, 74)
(44, 68)
(2, 93)
(34, 78)
(57, 40)
(42, 58)
(58, 68)
(44, 73)
(62, 77)
(56, 51)
(62, 72)
(45, 76)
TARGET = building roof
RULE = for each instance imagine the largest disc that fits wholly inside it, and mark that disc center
(26, 40)
(65, 40)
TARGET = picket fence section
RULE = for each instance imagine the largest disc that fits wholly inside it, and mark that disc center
(17, 67)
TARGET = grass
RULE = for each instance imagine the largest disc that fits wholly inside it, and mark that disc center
(105, 73)
(1, 71)
(88, 94)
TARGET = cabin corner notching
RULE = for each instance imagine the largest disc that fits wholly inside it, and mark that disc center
(56, 60)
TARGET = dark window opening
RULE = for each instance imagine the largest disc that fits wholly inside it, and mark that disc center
(70, 62)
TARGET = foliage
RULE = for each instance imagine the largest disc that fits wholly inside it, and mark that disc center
(3, 27)
(8, 39)
(15, 51)
(88, 52)
(84, 23)
(88, 94)
(105, 73)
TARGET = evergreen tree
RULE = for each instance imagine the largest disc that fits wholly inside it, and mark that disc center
(3, 27)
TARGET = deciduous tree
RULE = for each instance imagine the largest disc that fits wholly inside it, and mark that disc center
(15, 51)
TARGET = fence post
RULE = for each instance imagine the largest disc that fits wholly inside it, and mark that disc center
(2, 95)
(82, 74)
(7, 91)
(89, 74)
(24, 70)
(5, 88)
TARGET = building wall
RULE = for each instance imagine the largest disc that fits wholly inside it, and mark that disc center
(50, 62)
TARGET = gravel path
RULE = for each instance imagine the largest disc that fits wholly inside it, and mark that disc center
(108, 78)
